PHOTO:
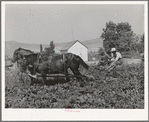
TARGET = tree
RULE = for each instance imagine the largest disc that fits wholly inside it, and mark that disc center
(119, 36)
(52, 46)
(50, 50)
(142, 40)
(137, 46)
(109, 36)
(41, 48)
(125, 36)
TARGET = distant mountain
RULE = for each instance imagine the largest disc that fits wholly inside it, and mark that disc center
(94, 43)
(10, 46)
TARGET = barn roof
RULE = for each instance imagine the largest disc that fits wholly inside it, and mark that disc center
(70, 44)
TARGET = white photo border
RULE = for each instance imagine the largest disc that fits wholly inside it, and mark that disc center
(84, 114)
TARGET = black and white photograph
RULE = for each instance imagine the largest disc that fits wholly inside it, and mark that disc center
(74, 60)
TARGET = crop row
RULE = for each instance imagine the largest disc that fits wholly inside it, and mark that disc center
(124, 91)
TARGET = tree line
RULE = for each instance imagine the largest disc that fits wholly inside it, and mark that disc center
(121, 37)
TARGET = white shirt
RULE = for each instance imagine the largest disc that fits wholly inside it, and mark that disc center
(118, 56)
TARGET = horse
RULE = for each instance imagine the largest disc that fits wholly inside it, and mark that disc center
(18, 56)
(19, 53)
(59, 64)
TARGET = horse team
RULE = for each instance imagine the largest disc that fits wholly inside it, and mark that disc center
(43, 64)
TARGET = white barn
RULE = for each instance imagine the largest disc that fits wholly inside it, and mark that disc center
(77, 48)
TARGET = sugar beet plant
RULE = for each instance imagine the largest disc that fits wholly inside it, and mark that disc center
(125, 91)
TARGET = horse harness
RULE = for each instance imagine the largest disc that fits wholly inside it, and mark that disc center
(50, 62)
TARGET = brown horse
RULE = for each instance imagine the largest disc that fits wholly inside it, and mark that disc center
(59, 64)
(41, 63)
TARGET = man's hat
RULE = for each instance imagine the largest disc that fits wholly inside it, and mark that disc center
(113, 49)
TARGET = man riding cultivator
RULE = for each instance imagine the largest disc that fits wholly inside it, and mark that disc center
(116, 59)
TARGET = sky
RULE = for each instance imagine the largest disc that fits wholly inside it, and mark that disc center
(42, 23)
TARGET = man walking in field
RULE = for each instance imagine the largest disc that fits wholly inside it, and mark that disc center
(116, 59)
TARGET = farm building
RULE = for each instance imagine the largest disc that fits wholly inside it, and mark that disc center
(76, 47)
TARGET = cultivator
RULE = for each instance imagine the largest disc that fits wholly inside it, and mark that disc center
(61, 76)
(94, 73)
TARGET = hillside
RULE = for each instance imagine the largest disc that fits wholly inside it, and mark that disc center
(94, 43)
(10, 46)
